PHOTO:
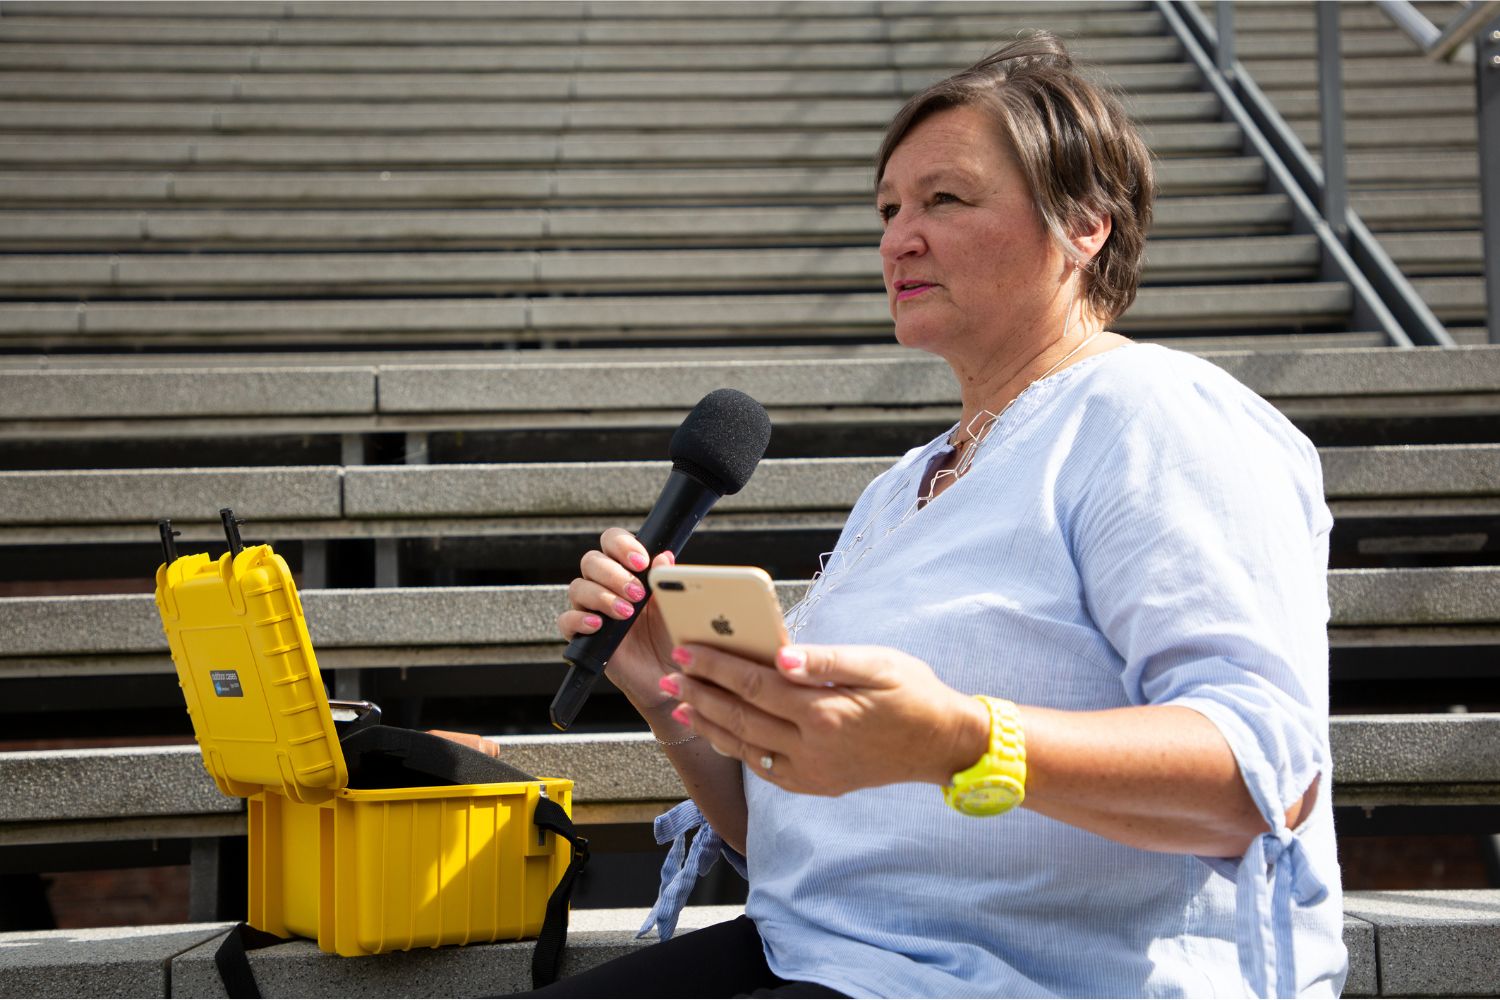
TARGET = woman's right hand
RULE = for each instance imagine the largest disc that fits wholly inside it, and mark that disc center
(611, 583)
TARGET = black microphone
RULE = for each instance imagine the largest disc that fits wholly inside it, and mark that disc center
(713, 454)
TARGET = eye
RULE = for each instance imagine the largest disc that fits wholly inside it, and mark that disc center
(886, 211)
(943, 197)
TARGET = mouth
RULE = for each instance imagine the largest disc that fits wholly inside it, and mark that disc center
(911, 288)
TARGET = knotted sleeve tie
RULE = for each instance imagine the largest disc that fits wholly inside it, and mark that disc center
(684, 866)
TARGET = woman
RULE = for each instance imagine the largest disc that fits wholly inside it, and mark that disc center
(1119, 547)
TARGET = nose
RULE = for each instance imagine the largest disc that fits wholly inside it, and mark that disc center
(902, 238)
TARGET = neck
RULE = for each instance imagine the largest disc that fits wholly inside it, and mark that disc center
(994, 385)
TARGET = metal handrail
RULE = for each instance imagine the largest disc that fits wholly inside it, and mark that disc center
(1440, 44)
(1335, 263)
(1351, 252)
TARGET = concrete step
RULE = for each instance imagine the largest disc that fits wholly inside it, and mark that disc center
(629, 150)
(269, 323)
(139, 961)
(527, 491)
(1428, 942)
(713, 186)
(1439, 253)
(614, 29)
(576, 228)
(622, 85)
(288, 275)
(1227, 344)
(952, 55)
(1454, 99)
(1358, 43)
(1442, 169)
(787, 122)
(1454, 300)
(1455, 131)
(370, 118)
(504, 10)
(1418, 210)
(1309, 377)
(202, 397)
(1275, 74)
(1428, 757)
(1260, 17)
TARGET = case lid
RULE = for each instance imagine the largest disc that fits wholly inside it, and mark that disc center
(246, 666)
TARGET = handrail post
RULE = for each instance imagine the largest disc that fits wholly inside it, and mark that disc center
(1331, 114)
(1487, 68)
(1224, 44)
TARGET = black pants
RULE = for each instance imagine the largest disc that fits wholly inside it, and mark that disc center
(725, 960)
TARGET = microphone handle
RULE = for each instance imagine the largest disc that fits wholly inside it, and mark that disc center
(683, 503)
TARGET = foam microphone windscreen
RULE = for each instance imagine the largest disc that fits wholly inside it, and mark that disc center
(722, 440)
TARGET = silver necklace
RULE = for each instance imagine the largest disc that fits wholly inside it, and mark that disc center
(835, 566)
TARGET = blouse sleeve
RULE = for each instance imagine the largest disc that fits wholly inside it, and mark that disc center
(1202, 544)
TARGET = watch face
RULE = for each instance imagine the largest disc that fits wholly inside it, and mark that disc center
(988, 796)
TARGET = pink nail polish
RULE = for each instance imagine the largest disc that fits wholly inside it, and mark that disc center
(681, 656)
(592, 621)
(635, 592)
(624, 609)
(637, 561)
(668, 685)
(680, 713)
(792, 660)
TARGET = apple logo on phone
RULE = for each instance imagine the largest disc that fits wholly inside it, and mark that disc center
(721, 625)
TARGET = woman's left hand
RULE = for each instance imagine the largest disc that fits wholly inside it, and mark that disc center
(831, 719)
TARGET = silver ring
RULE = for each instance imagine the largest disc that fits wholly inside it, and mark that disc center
(767, 761)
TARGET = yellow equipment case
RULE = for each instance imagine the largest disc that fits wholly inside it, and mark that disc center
(476, 852)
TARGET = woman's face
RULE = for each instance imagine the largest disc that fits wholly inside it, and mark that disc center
(968, 263)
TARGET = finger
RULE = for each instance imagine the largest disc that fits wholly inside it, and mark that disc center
(575, 622)
(601, 569)
(586, 595)
(781, 772)
(732, 714)
(826, 666)
(624, 548)
(470, 740)
(748, 680)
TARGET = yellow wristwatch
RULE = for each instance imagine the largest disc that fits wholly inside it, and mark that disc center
(997, 783)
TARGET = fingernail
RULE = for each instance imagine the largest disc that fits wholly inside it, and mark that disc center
(671, 558)
(624, 609)
(681, 656)
(592, 621)
(637, 561)
(668, 685)
(635, 592)
(792, 660)
(680, 713)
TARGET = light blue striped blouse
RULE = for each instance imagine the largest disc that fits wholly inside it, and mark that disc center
(1138, 529)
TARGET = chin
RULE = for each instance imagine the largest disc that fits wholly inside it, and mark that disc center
(918, 335)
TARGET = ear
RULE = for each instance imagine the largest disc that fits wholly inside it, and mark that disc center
(1089, 237)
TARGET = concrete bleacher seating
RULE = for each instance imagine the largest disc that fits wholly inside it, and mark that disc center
(392, 626)
(386, 275)
(1432, 943)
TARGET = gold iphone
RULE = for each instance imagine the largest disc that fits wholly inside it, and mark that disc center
(733, 608)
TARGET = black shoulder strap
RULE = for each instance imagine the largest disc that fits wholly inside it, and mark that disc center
(546, 959)
(389, 752)
(234, 965)
(390, 757)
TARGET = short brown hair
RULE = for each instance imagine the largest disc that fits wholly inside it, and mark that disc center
(1076, 147)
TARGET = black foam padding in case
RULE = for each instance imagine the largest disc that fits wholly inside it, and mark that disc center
(722, 440)
(389, 757)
